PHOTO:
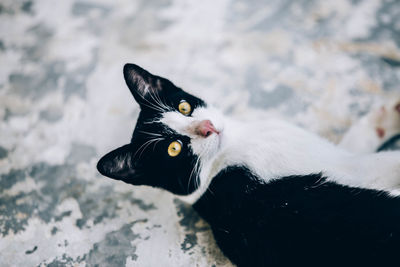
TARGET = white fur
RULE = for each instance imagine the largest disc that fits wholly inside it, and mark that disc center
(275, 148)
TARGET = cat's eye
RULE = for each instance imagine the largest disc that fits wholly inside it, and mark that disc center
(174, 148)
(184, 108)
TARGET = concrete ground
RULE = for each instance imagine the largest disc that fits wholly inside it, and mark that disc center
(63, 104)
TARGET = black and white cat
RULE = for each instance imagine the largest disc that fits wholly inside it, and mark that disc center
(273, 194)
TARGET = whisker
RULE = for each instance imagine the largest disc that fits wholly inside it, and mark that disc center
(151, 121)
(153, 134)
(156, 97)
(195, 171)
(152, 97)
(191, 173)
(151, 105)
(145, 145)
(168, 108)
(155, 143)
(158, 104)
(158, 101)
(141, 147)
(149, 143)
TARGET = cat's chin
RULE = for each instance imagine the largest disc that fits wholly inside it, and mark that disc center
(206, 148)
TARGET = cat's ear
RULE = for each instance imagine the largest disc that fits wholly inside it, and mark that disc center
(118, 164)
(146, 87)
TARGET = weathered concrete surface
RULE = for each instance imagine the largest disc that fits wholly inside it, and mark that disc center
(63, 103)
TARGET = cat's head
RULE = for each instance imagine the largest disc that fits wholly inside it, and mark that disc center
(176, 134)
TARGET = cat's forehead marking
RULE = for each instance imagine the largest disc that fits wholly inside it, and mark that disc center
(181, 123)
(177, 122)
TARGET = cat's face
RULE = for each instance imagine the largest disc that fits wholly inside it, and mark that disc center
(175, 135)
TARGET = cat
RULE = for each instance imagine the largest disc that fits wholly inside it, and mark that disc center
(273, 193)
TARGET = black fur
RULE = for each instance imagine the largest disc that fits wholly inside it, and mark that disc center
(300, 221)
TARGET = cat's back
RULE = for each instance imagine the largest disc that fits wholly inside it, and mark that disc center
(300, 220)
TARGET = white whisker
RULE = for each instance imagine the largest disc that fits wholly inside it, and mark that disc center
(153, 134)
(150, 104)
(145, 145)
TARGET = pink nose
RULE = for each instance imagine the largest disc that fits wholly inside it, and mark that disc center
(205, 128)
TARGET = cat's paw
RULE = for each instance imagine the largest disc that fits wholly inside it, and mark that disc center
(386, 119)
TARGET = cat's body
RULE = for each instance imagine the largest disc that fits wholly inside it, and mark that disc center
(273, 193)
(300, 221)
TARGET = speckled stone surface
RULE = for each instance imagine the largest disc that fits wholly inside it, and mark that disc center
(63, 104)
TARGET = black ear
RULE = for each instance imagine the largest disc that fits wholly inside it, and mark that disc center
(118, 164)
(147, 89)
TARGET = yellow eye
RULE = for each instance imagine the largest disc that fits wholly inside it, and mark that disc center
(184, 108)
(174, 148)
